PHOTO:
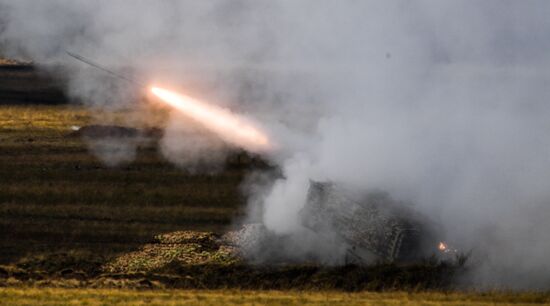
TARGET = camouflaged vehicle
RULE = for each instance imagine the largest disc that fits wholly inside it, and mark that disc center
(373, 225)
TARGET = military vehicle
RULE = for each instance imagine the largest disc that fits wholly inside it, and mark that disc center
(375, 226)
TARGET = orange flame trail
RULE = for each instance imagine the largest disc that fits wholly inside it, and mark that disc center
(229, 126)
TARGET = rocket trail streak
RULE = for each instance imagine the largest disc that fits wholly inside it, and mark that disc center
(91, 63)
(230, 127)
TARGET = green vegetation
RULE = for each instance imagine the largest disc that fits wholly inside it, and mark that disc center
(36, 296)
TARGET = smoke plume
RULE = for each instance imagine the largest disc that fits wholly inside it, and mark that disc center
(441, 103)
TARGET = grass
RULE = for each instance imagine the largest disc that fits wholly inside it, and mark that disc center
(49, 296)
(55, 195)
(65, 217)
(69, 221)
(23, 84)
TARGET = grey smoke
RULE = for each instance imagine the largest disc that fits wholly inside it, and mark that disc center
(440, 103)
(113, 151)
(192, 148)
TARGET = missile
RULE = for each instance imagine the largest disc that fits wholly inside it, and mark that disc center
(100, 67)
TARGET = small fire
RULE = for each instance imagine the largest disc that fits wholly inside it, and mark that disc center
(232, 128)
(446, 249)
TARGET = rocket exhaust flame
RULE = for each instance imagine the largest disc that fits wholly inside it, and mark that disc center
(231, 127)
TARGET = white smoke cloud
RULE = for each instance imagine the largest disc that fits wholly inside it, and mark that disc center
(439, 103)
(192, 148)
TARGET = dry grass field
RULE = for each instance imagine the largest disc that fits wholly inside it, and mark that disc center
(21, 83)
(69, 221)
(56, 195)
(35, 296)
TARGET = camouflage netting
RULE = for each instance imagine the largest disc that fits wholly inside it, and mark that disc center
(387, 239)
(181, 248)
(372, 228)
(205, 260)
(374, 225)
(258, 245)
